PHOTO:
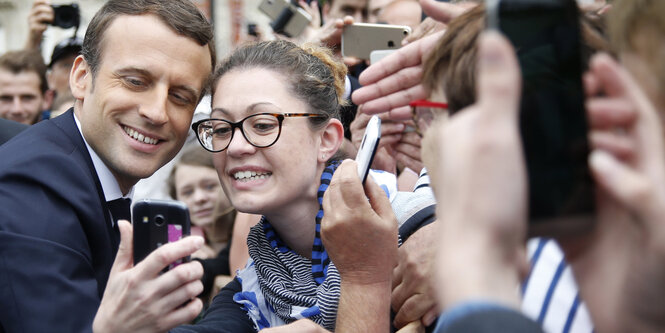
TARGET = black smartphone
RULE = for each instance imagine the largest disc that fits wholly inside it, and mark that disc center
(368, 147)
(158, 222)
(553, 122)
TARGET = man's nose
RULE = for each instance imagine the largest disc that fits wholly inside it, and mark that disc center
(155, 106)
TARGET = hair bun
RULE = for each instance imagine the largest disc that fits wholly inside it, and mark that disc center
(337, 68)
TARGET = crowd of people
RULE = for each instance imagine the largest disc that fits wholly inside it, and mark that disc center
(259, 144)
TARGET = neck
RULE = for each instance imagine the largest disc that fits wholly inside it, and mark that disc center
(297, 226)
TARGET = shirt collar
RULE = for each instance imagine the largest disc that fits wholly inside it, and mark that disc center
(110, 185)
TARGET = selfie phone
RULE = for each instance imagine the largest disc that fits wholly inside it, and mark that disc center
(360, 39)
(553, 122)
(157, 222)
(368, 147)
(287, 19)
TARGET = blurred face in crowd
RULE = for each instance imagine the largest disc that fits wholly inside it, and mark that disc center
(198, 187)
(275, 179)
(354, 8)
(401, 12)
(136, 110)
(374, 8)
(58, 75)
(21, 98)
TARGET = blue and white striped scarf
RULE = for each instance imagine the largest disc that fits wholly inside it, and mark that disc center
(279, 286)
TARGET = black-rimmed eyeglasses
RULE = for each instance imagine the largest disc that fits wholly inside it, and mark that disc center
(261, 130)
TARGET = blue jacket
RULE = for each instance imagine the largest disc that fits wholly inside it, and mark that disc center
(57, 245)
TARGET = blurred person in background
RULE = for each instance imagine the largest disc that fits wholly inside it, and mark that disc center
(24, 93)
(42, 16)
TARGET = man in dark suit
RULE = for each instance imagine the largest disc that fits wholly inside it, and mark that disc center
(65, 256)
(9, 128)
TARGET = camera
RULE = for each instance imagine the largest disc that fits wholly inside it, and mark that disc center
(66, 16)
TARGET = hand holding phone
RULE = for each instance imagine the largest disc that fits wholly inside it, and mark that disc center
(157, 222)
(368, 147)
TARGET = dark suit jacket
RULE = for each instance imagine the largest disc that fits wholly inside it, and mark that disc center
(57, 245)
(9, 128)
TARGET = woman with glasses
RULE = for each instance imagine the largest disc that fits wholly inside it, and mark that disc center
(274, 132)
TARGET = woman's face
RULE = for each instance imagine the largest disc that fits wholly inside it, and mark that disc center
(275, 179)
(198, 187)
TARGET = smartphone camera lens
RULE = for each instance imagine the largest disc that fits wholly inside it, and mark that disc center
(159, 220)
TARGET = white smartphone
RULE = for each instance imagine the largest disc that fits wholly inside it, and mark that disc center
(376, 55)
(368, 147)
(360, 39)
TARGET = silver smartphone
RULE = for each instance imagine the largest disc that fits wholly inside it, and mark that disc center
(287, 19)
(360, 39)
(368, 147)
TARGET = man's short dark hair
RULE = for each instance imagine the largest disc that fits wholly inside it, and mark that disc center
(181, 15)
(25, 61)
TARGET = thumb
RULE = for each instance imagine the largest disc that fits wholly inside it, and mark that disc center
(441, 11)
(499, 78)
(124, 259)
(378, 198)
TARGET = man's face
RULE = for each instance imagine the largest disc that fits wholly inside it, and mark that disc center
(58, 75)
(374, 9)
(354, 8)
(21, 99)
(137, 110)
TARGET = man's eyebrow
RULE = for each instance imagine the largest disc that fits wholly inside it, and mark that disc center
(133, 70)
(147, 73)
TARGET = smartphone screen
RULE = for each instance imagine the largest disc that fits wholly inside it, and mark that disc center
(158, 222)
(553, 123)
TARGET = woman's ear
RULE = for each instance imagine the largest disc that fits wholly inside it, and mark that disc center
(332, 137)
(80, 77)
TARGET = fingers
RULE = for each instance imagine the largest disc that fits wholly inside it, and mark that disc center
(407, 56)
(167, 254)
(608, 113)
(182, 292)
(499, 80)
(624, 184)
(124, 259)
(442, 11)
(413, 309)
(313, 10)
(617, 144)
(400, 80)
(181, 315)
(399, 99)
(426, 27)
(378, 199)
(180, 275)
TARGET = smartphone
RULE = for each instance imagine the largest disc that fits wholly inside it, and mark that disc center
(376, 55)
(287, 19)
(158, 222)
(360, 39)
(368, 147)
(553, 122)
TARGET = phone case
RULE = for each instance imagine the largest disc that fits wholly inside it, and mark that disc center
(157, 222)
(287, 19)
(360, 39)
(368, 147)
(273, 8)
